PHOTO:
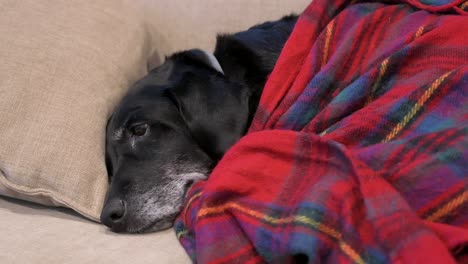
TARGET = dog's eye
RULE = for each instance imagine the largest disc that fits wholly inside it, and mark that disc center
(139, 130)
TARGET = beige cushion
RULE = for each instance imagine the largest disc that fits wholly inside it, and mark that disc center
(63, 66)
(185, 24)
(35, 234)
(65, 63)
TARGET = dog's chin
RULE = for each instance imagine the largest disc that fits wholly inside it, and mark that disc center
(154, 226)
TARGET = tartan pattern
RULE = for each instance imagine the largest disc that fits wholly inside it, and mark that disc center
(357, 151)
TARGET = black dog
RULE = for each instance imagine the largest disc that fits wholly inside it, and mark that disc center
(173, 126)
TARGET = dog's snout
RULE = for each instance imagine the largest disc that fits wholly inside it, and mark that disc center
(112, 213)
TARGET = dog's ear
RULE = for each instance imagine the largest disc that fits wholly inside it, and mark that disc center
(215, 110)
(200, 57)
(239, 61)
(250, 56)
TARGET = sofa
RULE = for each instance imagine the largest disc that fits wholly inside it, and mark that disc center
(64, 65)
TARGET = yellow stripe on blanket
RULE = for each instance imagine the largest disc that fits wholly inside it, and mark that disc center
(448, 207)
(417, 106)
(346, 248)
(384, 66)
(329, 33)
(382, 69)
(419, 32)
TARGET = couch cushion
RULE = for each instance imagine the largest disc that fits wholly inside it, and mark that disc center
(64, 64)
(37, 234)
(186, 24)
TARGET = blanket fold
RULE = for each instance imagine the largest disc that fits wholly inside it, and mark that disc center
(358, 148)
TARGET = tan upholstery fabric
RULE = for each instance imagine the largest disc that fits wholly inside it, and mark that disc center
(65, 63)
(186, 24)
(34, 234)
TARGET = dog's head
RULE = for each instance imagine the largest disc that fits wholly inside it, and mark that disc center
(178, 121)
(167, 133)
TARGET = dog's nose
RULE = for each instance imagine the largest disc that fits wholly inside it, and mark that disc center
(113, 212)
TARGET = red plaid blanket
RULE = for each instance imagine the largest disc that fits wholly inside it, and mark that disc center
(358, 150)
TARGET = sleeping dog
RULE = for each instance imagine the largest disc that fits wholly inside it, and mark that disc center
(175, 124)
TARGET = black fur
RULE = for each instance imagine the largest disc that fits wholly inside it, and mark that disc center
(173, 126)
